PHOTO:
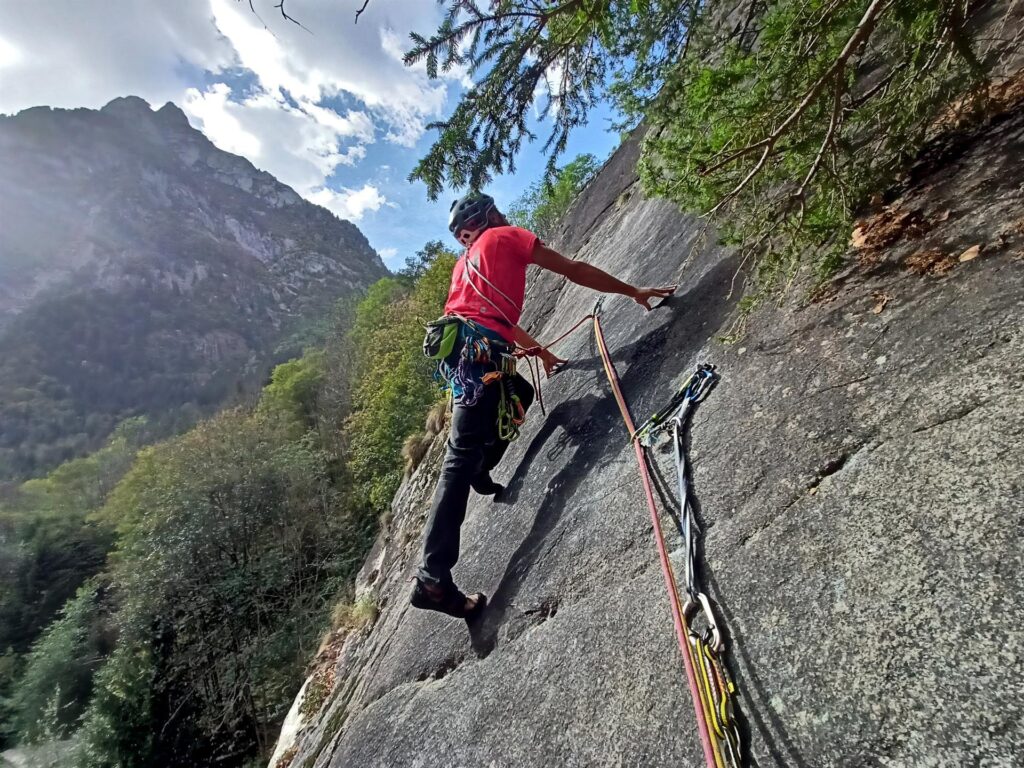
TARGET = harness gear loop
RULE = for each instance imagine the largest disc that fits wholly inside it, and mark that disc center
(711, 688)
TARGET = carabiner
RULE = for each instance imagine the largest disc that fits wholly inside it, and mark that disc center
(689, 607)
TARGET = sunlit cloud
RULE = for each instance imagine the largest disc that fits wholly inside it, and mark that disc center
(211, 109)
(9, 54)
(349, 203)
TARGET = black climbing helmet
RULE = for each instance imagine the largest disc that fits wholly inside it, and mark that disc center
(469, 216)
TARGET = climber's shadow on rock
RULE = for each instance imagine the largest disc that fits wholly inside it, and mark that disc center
(694, 316)
(579, 420)
(582, 424)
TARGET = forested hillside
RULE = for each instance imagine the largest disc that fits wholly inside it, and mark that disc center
(144, 272)
(233, 547)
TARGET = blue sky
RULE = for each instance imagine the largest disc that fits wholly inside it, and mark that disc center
(417, 220)
(331, 111)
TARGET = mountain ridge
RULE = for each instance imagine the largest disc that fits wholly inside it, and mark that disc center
(141, 266)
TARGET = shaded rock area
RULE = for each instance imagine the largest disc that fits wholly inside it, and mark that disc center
(860, 482)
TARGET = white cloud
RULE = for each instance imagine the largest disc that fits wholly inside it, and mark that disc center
(9, 55)
(387, 253)
(222, 127)
(339, 59)
(349, 203)
(76, 54)
(259, 51)
(303, 104)
(301, 145)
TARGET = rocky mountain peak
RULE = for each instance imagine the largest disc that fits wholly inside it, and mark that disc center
(126, 228)
(171, 115)
(129, 107)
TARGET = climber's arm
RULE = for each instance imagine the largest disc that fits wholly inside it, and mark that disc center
(590, 276)
(523, 339)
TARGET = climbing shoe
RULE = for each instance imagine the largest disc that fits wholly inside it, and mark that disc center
(485, 486)
(447, 600)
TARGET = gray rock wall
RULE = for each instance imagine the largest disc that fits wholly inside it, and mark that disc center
(860, 480)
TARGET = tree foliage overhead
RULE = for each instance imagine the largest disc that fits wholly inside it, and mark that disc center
(782, 133)
(517, 50)
(780, 118)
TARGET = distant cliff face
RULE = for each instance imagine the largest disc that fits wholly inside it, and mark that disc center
(861, 492)
(142, 270)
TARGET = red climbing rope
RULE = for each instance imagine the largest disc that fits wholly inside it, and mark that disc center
(530, 352)
(666, 566)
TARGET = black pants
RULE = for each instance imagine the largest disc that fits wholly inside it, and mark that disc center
(474, 449)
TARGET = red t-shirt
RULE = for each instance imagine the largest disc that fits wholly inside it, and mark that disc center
(499, 258)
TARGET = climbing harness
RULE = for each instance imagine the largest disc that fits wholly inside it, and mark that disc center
(466, 379)
(482, 360)
(697, 630)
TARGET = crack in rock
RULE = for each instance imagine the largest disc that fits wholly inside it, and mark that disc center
(828, 469)
(449, 664)
(956, 415)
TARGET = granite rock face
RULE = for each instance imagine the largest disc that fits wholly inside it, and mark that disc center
(861, 485)
(142, 271)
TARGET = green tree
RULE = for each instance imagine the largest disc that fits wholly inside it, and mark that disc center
(781, 118)
(57, 681)
(231, 545)
(293, 389)
(543, 204)
(394, 387)
(416, 266)
(785, 132)
(118, 728)
(49, 547)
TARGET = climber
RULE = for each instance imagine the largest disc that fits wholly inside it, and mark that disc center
(474, 343)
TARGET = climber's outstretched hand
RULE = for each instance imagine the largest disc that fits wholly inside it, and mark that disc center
(552, 363)
(643, 296)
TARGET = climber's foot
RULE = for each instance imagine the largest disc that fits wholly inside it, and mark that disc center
(449, 601)
(485, 486)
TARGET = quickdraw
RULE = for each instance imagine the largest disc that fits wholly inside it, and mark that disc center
(698, 632)
(511, 414)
